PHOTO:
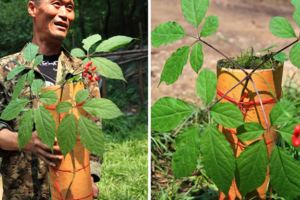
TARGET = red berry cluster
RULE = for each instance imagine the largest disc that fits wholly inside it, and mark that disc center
(296, 136)
(89, 72)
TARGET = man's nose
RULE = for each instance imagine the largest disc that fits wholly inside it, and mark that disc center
(62, 13)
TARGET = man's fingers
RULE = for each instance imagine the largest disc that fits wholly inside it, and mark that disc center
(48, 155)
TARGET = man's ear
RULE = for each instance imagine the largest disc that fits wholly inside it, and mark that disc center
(31, 7)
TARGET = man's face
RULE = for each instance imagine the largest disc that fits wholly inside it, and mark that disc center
(52, 18)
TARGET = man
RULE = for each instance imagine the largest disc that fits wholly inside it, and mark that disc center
(25, 172)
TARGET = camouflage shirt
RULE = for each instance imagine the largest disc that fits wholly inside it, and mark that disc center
(24, 174)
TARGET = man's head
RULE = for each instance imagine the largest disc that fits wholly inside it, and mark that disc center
(51, 18)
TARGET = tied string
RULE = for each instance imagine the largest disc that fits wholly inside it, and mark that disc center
(244, 108)
(56, 183)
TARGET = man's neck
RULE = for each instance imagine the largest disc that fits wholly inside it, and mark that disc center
(47, 48)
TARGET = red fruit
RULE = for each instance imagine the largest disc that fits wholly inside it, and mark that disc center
(84, 74)
(94, 68)
(88, 64)
(86, 68)
(295, 141)
(297, 130)
(97, 78)
(90, 76)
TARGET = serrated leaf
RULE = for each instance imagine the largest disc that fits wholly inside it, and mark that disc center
(281, 27)
(113, 43)
(210, 26)
(296, 16)
(67, 134)
(45, 126)
(13, 109)
(294, 55)
(81, 96)
(90, 41)
(102, 108)
(252, 167)
(108, 68)
(167, 113)
(282, 112)
(285, 176)
(63, 107)
(78, 53)
(281, 57)
(18, 69)
(91, 136)
(227, 114)
(174, 65)
(25, 129)
(218, 158)
(250, 131)
(30, 52)
(206, 86)
(38, 60)
(196, 57)
(30, 77)
(36, 86)
(48, 98)
(286, 131)
(19, 87)
(166, 33)
(194, 10)
(184, 160)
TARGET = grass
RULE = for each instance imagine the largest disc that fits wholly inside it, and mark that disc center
(124, 172)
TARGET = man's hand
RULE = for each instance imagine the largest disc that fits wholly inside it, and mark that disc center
(43, 151)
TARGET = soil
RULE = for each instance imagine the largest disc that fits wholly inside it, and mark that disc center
(243, 24)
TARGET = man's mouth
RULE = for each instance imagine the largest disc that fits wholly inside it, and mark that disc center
(61, 25)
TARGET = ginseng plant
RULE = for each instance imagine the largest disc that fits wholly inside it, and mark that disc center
(202, 136)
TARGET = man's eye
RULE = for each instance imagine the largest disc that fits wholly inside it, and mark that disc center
(70, 7)
(56, 3)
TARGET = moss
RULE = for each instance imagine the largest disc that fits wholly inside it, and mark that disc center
(248, 60)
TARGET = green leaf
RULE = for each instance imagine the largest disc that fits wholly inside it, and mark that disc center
(281, 57)
(45, 126)
(296, 3)
(113, 43)
(285, 176)
(108, 68)
(18, 69)
(102, 108)
(30, 77)
(294, 55)
(78, 53)
(90, 41)
(91, 136)
(286, 131)
(13, 109)
(282, 112)
(296, 16)
(25, 129)
(38, 60)
(174, 65)
(252, 167)
(210, 26)
(166, 33)
(19, 87)
(184, 160)
(218, 158)
(194, 10)
(206, 86)
(281, 27)
(250, 131)
(67, 134)
(63, 107)
(48, 97)
(30, 51)
(196, 57)
(167, 113)
(36, 86)
(81, 96)
(227, 114)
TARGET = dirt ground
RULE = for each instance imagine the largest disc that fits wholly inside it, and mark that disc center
(243, 24)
